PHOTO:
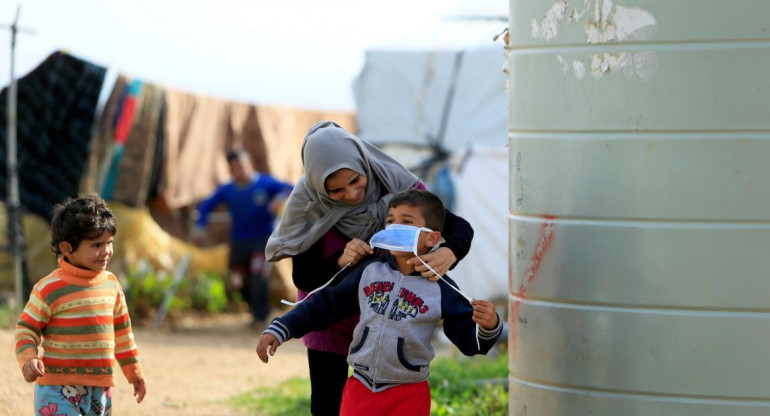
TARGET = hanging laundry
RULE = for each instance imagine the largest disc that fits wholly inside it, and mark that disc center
(123, 122)
(55, 112)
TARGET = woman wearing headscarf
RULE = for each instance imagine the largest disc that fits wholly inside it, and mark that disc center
(336, 206)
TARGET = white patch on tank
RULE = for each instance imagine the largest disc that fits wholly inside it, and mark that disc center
(576, 14)
(600, 29)
(606, 9)
(597, 11)
(627, 65)
(646, 65)
(607, 62)
(634, 23)
(548, 27)
(598, 32)
(564, 64)
(579, 69)
(610, 22)
(598, 66)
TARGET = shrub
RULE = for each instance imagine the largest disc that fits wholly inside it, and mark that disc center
(146, 288)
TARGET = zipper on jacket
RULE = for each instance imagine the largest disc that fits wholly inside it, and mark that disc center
(384, 318)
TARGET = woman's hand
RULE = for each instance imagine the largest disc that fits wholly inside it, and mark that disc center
(440, 260)
(355, 250)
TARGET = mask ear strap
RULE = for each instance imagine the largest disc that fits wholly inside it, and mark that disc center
(286, 302)
(416, 239)
(468, 298)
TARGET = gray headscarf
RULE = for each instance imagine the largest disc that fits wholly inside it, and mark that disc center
(310, 212)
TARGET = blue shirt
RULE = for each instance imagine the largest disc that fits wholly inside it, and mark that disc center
(248, 206)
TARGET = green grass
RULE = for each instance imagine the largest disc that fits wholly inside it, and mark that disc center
(469, 386)
(459, 386)
(290, 398)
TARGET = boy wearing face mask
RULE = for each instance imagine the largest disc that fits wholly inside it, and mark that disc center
(391, 350)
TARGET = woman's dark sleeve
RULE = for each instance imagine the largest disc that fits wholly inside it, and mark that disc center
(311, 270)
(458, 234)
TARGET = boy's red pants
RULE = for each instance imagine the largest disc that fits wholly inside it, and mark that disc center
(405, 399)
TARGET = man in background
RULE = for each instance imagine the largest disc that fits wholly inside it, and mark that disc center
(253, 200)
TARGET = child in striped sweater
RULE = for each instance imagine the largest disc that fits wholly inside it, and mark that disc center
(78, 314)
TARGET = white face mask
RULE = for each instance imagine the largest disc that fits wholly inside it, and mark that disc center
(402, 237)
(398, 237)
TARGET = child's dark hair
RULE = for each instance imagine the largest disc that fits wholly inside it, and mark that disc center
(235, 154)
(78, 219)
(430, 205)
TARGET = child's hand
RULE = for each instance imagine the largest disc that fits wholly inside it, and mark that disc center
(139, 390)
(266, 340)
(355, 250)
(484, 314)
(439, 260)
(33, 369)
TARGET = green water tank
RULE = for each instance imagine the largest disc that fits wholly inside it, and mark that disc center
(639, 207)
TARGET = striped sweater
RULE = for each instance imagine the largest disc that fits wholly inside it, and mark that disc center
(81, 319)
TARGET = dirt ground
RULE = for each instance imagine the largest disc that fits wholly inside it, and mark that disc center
(190, 369)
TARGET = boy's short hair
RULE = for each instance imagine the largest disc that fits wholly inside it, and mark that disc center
(78, 219)
(235, 154)
(430, 205)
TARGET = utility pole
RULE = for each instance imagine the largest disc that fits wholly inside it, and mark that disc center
(13, 204)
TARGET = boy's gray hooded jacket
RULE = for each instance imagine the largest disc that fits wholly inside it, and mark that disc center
(391, 342)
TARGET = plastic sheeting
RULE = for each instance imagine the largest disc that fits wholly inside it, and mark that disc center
(402, 99)
(480, 176)
(402, 96)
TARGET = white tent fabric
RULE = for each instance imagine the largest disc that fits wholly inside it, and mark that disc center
(401, 96)
(400, 103)
(480, 176)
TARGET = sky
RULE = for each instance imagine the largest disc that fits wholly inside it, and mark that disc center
(299, 53)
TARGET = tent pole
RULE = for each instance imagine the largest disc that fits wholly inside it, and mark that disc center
(13, 205)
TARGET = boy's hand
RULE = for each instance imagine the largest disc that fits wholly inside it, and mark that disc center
(355, 250)
(139, 390)
(484, 314)
(267, 340)
(33, 369)
(440, 260)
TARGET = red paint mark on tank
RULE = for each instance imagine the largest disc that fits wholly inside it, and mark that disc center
(541, 248)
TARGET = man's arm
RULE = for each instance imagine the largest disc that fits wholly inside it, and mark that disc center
(203, 210)
(279, 192)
